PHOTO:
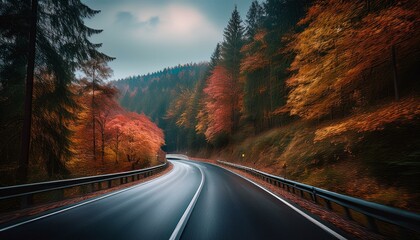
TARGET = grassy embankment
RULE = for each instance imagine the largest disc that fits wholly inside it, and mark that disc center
(372, 154)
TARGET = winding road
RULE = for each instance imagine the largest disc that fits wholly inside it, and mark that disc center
(193, 201)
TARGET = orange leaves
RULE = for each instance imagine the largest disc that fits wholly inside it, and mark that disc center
(134, 136)
(221, 92)
(339, 44)
(254, 58)
(396, 112)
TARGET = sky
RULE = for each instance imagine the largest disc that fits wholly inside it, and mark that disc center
(146, 36)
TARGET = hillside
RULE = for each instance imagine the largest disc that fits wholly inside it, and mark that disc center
(153, 93)
(323, 92)
(372, 154)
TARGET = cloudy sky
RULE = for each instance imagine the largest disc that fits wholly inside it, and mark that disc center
(149, 35)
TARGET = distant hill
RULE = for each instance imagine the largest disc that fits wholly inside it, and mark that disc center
(152, 94)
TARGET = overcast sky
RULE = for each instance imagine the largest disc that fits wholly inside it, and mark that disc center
(149, 35)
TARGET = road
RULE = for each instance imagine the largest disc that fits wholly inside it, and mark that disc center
(193, 201)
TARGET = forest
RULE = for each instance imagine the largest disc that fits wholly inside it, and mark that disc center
(53, 123)
(316, 91)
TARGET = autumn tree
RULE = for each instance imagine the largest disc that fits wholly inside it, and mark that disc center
(264, 67)
(220, 118)
(140, 138)
(202, 114)
(340, 49)
(105, 107)
(115, 131)
(61, 42)
(96, 71)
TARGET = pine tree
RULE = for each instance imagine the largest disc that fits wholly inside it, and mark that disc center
(231, 59)
(254, 20)
(61, 44)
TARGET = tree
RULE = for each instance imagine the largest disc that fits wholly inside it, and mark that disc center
(349, 45)
(230, 60)
(115, 134)
(254, 20)
(96, 71)
(105, 107)
(61, 45)
(141, 139)
(219, 104)
(264, 67)
(202, 114)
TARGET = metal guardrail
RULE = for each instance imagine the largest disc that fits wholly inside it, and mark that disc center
(372, 211)
(26, 191)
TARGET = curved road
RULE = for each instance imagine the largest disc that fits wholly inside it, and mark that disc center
(193, 201)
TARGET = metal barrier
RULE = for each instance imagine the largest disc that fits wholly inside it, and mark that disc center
(26, 191)
(373, 212)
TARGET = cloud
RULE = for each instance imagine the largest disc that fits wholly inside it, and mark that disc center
(124, 17)
(176, 23)
(127, 19)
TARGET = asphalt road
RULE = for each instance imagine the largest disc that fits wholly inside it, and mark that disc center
(193, 201)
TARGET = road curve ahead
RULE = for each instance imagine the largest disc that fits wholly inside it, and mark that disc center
(230, 207)
(193, 201)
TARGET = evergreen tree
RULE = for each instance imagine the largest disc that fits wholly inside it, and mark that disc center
(61, 44)
(254, 20)
(231, 59)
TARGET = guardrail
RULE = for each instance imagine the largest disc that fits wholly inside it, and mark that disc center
(26, 192)
(408, 223)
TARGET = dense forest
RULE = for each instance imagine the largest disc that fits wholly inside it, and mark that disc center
(318, 91)
(155, 93)
(53, 124)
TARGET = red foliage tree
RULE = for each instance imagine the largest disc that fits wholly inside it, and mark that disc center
(223, 102)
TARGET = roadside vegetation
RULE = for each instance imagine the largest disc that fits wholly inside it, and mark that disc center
(324, 92)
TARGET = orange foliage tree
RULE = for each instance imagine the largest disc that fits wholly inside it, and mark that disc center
(135, 137)
(221, 103)
(343, 41)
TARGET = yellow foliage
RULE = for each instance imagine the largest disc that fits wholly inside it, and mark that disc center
(402, 111)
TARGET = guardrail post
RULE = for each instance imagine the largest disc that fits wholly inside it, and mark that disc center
(109, 183)
(328, 204)
(348, 214)
(372, 223)
(314, 198)
(25, 201)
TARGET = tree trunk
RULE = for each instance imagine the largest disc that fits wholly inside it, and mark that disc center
(93, 115)
(395, 71)
(102, 145)
(27, 120)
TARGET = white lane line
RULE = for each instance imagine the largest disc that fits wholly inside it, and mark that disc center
(319, 224)
(176, 234)
(80, 204)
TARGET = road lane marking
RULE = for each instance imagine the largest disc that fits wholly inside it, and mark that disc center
(80, 204)
(319, 224)
(176, 234)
